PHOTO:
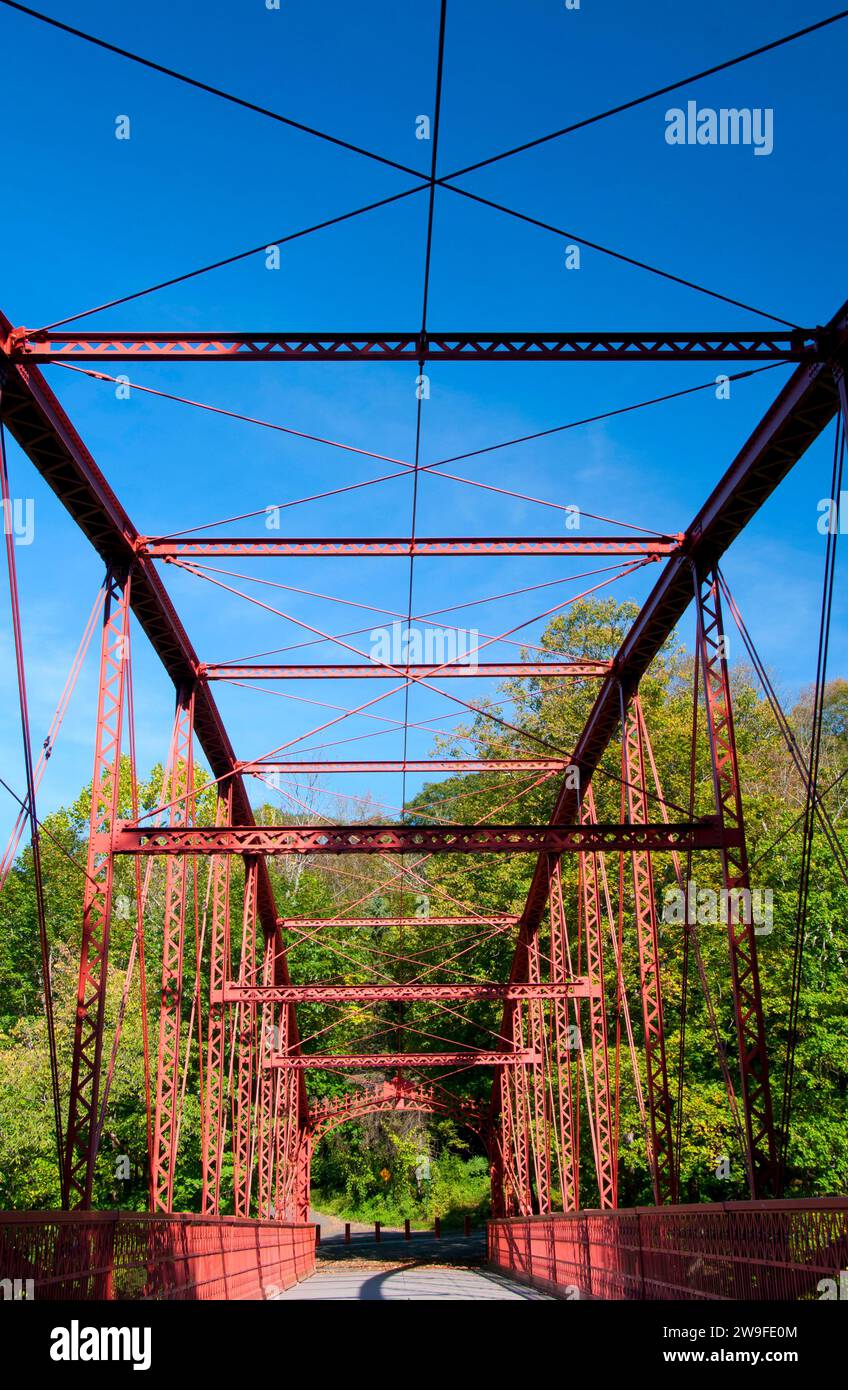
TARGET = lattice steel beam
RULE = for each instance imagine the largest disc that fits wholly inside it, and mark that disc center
(661, 1154)
(465, 670)
(758, 345)
(233, 992)
(81, 1136)
(411, 765)
(213, 1120)
(166, 548)
(166, 1123)
(346, 1061)
(761, 1140)
(405, 839)
(489, 919)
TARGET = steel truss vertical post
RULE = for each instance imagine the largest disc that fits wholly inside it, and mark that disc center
(166, 1119)
(291, 1134)
(216, 1049)
(284, 1101)
(265, 1092)
(539, 1128)
(561, 1062)
(747, 1000)
(661, 1149)
(514, 1123)
(601, 1117)
(81, 1138)
(246, 1040)
(303, 1175)
(496, 1170)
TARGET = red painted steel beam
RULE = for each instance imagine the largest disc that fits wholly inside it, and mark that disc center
(346, 1061)
(251, 547)
(234, 993)
(760, 345)
(407, 839)
(544, 670)
(494, 919)
(412, 765)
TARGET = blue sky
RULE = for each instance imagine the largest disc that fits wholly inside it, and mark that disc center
(89, 217)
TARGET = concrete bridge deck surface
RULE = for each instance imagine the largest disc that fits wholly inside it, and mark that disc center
(395, 1269)
(355, 1282)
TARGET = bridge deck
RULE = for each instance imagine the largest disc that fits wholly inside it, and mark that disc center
(405, 1283)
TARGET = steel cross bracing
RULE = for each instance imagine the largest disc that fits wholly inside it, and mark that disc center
(563, 973)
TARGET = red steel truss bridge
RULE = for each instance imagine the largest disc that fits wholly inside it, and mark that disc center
(540, 1089)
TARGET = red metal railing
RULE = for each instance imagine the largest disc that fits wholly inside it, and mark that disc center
(132, 1255)
(754, 1251)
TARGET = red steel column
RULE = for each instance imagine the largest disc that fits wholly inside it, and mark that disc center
(514, 1121)
(747, 1000)
(563, 1055)
(303, 1175)
(539, 1128)
(265, 1092)
(246, 1034)
(601, 1117)
(661, 1155)
(216, 1050)
(81, 1137)
(291, 1132)
(166, 1126)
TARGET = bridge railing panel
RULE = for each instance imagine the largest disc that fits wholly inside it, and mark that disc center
(130, 1255)
(745, 1251)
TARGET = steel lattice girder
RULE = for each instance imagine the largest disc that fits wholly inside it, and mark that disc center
(398, 1094)
(412, 765)
(165, 548)
(489, 919)
(233, 993)
(405, 839)
(759, 345)
(80, 1139)
(167, 1107)
(351, 1061)
(466, 669)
